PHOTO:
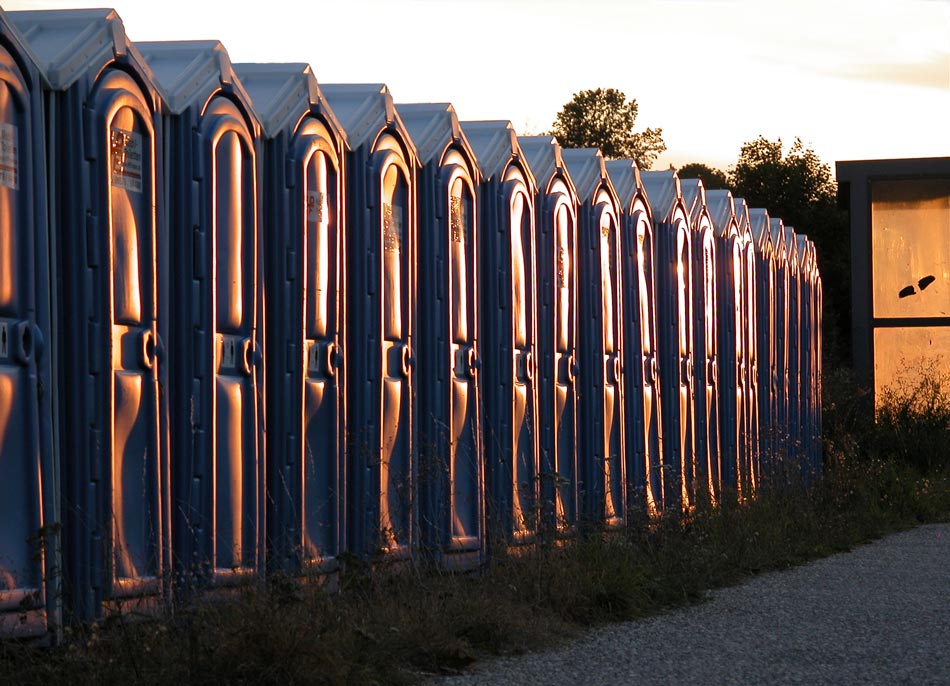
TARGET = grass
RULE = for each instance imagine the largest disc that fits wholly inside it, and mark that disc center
(400, 624)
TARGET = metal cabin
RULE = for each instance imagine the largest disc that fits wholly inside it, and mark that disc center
(29, 504)
(211, 186)
(602, 444)
(509, 331)
(380, 321)
(730, 279)
(750, 467)
(705, 344)
(781, 343)
(107, 243)
(643, 403)
(766, 351)
(557, 294)
(451, 466)
(304, 220)
(674, 306)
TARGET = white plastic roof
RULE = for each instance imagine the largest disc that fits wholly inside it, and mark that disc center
(496, 145)
(66, 43)
(722, 212)
(625, 176)
(694, 195)
(364, 109)
(544, 156)
(663, 190)
(434, 127)
(281, 93)
(187, 72)
(586, 166)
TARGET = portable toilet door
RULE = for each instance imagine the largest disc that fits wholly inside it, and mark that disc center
(602, 441)
(766, 351)
(674, 306)
(730, 275)
(750, 466)
(303, 218)
(642, 392)
(782, 457)
(805, 367)
(794, 348)
(706, 480)
(451, 475)
(556, 244)
(29, 508)
(104, 169)
(380, 322)
(211, 174)
(509, 332)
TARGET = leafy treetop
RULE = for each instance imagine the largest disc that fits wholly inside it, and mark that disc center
(604, 118)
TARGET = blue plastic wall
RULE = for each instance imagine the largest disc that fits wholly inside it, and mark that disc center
(303, 209)
(105, 210)
(29, 549)
(602, 439)
(674, 306)
(642, 395)
(451, 461)
(216, 345)
(703, 482)
(557, 293)
(381, 321)
(509, 332)
(730, 275)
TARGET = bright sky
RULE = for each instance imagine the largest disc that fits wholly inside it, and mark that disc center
(855, 79)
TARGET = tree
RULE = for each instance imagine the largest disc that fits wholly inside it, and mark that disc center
(603, 118)
(713, 179)
(798, 187)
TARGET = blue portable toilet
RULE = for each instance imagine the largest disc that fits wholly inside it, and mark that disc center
(557, 307)
(749, 365)
(380, 322)
(806, 368)
(212, 141)
(303, 217)
(766, 351)
(730, 279)
(643, 402)
(29, 504)
(508, 329)
(705, 344)
(602, 444)
(781, 456)
(107, 242)
(794, 417)
(451, 467)
(674, 306)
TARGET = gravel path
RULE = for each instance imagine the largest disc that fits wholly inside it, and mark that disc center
(877, 615)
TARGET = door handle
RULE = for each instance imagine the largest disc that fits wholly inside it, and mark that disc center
(26, 340)
(147, 347)
(248, 356)
(406, 360)
(613, 369)
(525, 366)
(330, 358)
(471, 361)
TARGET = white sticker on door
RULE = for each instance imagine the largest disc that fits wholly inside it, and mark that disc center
(126, 159)
(9, 162)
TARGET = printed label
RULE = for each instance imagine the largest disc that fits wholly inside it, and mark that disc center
(561, 267)
(9, 159)
(457, 219)
(315, 207)
(392, 228)
(126, 154)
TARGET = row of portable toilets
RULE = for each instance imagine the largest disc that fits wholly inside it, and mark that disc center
(253, 324)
